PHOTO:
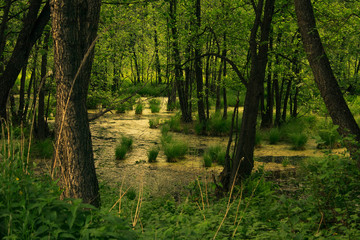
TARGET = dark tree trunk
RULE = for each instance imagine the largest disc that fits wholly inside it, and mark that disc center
(42, 129)
(157, 59)
(34, 24)
(324, 77)
(198, 66)
(286, 99)
(243, 161)
(184, 103)
(3, 27)
(218, 88)
(73, 57)
(224, 85)
(267, 115)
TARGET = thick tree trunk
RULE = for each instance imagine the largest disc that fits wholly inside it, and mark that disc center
(31, 31)
(324, 77)
(72, 42)
(267, 115)
(243, 161)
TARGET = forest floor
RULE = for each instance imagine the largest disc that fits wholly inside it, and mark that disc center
(161, 178)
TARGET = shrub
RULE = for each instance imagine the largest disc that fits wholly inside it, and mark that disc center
(152, 154)
(218, 126)
(154, 105)
(174, 149)
(298, 140)
(214, 154)
(274, 135)
(154, 122)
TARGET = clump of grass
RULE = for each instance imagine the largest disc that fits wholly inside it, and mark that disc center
(139, 108)
(258, 139)
(42, 149)
(218, 126)
(152, 154)
(174, 149)
(274, 135)
(214, 154)
(154, 105)
(123, 147)
(174, 123)
(154, 122)
(298, 140)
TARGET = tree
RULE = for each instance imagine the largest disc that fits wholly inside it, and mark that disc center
(243, 162)
(324, 76)
(74, 25)
(31, 31)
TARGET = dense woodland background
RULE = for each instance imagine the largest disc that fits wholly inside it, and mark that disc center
(278, 60)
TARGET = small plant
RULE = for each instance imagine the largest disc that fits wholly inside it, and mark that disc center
(42, 149)
(274, 136)
(139, 108)
(218, 126)
(152, 154)
(214, 154)
(154, 105)
(258, 138)
(298, 140)
(174, 149)
(329, 137)
(123, 147)
(154, 122)
(174, 123)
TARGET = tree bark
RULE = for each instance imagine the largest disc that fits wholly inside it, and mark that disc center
(74, 25)
(243, 161)
(324, 76)
(34, 24)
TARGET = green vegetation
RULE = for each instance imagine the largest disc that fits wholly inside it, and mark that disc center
(213, 154)
(173, 149)
(152, 154)
(329, 136)
(298, 140)
(154, 105)
(139, 108)
(154, 122)
(42, 149)
(274, 135)
(122, 148)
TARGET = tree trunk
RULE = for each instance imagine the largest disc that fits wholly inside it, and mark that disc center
(324, 77)
(198, 66)
(34, 24)
(42, 129)
(243, 161)
(73, 57)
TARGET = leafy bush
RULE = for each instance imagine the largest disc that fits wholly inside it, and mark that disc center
(175, 149)
(298, 141)
(154, 105)
(152, 154)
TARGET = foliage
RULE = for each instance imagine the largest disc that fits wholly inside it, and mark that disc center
(174, 123)
(298, 140)
(216, 154)
(42, 149)
(122, 148)
(328, 136)
(30, 208)
(154, 105)
(274, 135)
(152, 154)
(174, 149)
(154, 122)
(139, 108)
